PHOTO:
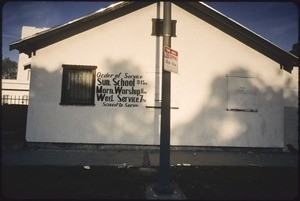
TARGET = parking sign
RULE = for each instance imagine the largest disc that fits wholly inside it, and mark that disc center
(170, 60)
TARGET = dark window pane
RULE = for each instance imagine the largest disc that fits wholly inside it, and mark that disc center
(78, 85)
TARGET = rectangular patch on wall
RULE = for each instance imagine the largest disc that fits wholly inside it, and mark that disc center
(241, 94)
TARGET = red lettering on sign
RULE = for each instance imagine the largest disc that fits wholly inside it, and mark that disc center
(169, 50)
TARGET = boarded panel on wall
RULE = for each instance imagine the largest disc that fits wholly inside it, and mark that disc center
(291, 127)
(241, 94)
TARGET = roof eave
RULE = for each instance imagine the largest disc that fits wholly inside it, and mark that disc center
(25, 45)
(217, 19)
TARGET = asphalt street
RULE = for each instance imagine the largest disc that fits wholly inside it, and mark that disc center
(54, 173)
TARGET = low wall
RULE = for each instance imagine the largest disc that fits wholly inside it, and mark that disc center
(14, 119)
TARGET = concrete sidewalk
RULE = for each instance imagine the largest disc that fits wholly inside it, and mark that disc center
(144, 158)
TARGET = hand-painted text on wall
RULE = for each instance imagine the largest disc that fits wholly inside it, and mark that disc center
(120, 89)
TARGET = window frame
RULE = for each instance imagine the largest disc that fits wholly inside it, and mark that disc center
(64, 99)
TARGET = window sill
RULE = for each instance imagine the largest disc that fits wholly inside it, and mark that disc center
(241, 110)
(68, 104)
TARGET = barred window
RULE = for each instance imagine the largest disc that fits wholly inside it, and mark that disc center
(78, 85)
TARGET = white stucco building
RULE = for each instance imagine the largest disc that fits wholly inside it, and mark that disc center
(16, 91)
(97, 79)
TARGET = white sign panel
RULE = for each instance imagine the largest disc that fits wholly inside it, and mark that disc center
(170, 60)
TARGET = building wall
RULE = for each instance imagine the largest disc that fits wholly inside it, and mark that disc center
(218, 76)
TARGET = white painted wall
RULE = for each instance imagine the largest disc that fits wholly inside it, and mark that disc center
(15, 88)
(207, 56)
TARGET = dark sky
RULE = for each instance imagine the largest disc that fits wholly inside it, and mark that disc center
(275, 21)
(278, 22)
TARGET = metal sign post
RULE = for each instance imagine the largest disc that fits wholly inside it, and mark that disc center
(164, 186)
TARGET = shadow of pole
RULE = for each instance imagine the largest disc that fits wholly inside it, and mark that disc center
(157, 96)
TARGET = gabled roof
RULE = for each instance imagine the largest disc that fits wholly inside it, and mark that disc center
(39, 40)
(32, 43)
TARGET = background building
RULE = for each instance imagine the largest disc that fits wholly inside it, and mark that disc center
(16, 91)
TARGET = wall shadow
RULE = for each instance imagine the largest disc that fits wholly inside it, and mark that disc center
(51, 122)
(214, 125)
(125, 124)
